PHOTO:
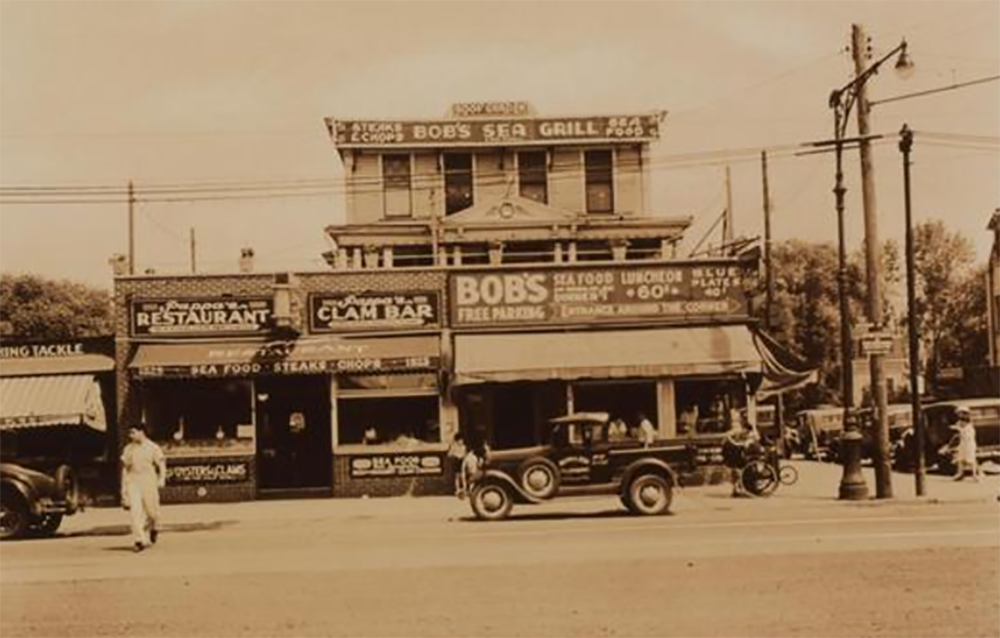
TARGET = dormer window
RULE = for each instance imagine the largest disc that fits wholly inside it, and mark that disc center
(532, 172)
(599, 171)
(396, 185)
(457, 182)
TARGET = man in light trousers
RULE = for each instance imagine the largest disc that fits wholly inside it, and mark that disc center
(144, 472)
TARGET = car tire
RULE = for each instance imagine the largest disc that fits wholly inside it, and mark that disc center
(539, 478)
(491, 501)
(68, 486)
(48, 525)
(15, 519)
(649, 495)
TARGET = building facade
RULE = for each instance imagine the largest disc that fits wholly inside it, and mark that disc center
(496, 269)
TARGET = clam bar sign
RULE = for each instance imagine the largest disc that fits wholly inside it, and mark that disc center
(373, 311)
(398, 464)
(593, 295)
(187, 317)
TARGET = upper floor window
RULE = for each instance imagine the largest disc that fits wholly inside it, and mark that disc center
(396, 184)
(598, 168)
(532, 169)
(457, 182)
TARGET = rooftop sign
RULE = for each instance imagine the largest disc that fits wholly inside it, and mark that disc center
(492, 131)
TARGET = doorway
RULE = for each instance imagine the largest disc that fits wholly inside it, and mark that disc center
(293, 430)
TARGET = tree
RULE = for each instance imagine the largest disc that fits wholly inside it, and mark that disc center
(943, 261)
(34, 307)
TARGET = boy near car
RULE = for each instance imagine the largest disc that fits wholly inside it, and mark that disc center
(965, 455)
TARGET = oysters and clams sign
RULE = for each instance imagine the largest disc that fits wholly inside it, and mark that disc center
(593, 295)
(188, 317)
(374, 311)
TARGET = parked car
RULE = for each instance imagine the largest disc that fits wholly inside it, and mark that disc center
(580, 459)
(819, 430)
(35, 502)
(899, 418)
(940, 444)
(788, 438)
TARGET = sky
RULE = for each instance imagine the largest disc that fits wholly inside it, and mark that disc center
(196, 91)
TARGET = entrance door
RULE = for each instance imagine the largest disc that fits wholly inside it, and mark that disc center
(293, 429)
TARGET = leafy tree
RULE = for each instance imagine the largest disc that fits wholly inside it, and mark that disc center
(34, 307)
(943, 262)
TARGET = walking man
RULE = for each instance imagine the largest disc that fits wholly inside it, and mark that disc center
(144, 472)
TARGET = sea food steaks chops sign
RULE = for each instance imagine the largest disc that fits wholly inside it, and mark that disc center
(587, 295)
(186, 317)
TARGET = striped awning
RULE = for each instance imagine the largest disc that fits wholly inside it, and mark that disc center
(45, 401)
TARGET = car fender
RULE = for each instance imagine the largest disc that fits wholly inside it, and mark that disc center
(506, 479)
(25, 490)
(648, 464)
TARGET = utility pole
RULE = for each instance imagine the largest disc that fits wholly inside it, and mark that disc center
(194, 259)
(919, 468)
(131, 228)
(727, 221)
(883, 473)
(779, 417)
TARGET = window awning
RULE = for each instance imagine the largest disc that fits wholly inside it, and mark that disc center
(344, 355)
(40, 401)
(79, 364)
(783, 371)
(605, 354)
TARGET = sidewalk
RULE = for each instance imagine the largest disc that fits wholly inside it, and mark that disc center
(817, 487)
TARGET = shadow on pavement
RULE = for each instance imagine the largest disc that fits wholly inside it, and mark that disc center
(125, 530)
(555, 516)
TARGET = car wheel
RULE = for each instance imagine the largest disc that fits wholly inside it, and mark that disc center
(539, 478)
(68, 485)
(491, 501)
(650, 494)
(48, 524)
(14, 516)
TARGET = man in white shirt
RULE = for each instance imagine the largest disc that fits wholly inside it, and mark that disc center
(647, 433)
(144, 472)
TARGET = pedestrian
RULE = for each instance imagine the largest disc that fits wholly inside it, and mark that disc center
(965, 455)
(456, 454)
(144, 472)
(617, 430)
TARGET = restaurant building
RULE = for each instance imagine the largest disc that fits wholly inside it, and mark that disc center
(496, 269)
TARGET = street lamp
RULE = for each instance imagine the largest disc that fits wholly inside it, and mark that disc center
(842, 101)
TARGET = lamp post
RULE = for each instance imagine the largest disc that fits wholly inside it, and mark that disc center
(842, 101)
(919, 468)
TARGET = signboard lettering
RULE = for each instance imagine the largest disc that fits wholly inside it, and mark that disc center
(221, 472)
(185, 317)
(44, 350)
(490, 109)
(370, 311)
(485, 131)
(677, 291)
(392, 465)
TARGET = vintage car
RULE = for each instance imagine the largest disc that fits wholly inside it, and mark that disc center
(940, 441)
(581, 459)
(35, 502)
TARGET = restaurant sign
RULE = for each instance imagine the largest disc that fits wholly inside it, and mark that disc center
(398, 464)
(214, 472)
(587, 295)
(493, 131)
(187, 317)
(373, 311)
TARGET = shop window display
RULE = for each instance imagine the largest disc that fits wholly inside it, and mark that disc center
(201, 411)
(404, 422)
(707, 407)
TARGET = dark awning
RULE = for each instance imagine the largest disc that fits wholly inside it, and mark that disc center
(41, 401)
(783, 371)
(300, 356)
(605, 354)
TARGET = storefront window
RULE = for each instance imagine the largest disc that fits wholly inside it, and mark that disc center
(393, 409)
(624, 400)
(182, 411)
(708, 406)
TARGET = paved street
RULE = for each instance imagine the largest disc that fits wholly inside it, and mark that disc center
(797, 564)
